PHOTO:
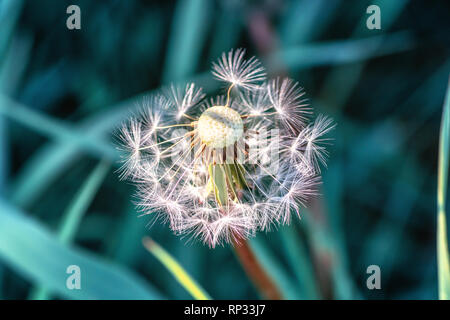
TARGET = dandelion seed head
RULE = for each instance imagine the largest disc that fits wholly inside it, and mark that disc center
(222, 169)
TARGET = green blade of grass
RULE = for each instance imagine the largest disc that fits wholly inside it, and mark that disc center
(299, 261)
(295, 30)
(325, 242)
(443, 258)
(342, 52)
(74, 214)
(127, 248)
(227, 29)
(81, 202)
(37, 255)
(14, 56)
(47, 163)
(442, 245)
(54, 128)
(183, 278)
(188, 33)
(10, 11)
(275, 270)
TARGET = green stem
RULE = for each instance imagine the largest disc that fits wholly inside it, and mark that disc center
(255, 271)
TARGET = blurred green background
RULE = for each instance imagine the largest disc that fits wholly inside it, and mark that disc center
(63, 92)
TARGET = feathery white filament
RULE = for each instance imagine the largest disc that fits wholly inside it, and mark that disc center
(234, 69)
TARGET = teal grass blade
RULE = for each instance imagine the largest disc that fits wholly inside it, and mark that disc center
(175, 268)
(442, 244)
(37, 255)
(75, 212)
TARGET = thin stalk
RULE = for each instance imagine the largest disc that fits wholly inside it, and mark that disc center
(228, 95)
(443, 255)
(255, 271)
(176, 270)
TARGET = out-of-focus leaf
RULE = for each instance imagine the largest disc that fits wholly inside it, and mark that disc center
(188, 32)
(53, 158)
(300, 262)
(299, 23)
(275, 270)
(75, 212)
(228, 28)
(54, 128)
(13, 61)
(176, 270)
(324, 241)
(77, 208)
(9, 14)
(442, 244)
(38, 256)
(345, 51)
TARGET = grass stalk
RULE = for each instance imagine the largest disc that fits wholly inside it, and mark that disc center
(255, 271)
(442, 245)
(181, 275)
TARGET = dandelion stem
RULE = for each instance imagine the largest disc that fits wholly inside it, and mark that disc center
(163, 142)
(228, 95)
(258, 115)
(255, 270)
(189, 117)
(177, 125)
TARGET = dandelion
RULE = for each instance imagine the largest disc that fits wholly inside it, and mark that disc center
(224, 168)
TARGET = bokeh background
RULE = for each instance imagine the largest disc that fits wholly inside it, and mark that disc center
(63, 92)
